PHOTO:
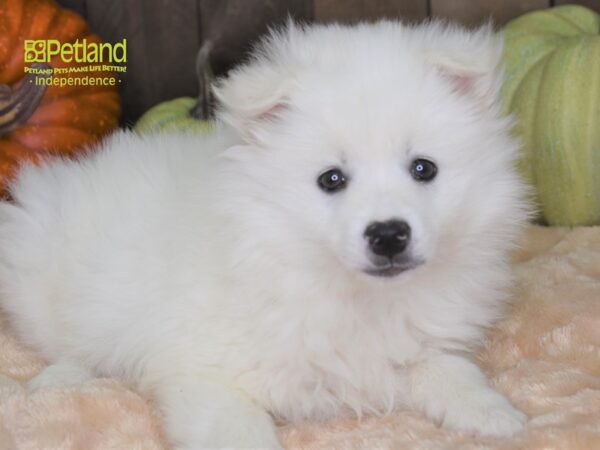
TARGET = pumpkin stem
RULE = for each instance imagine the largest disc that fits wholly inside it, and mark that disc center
(204, 107)
(17, 106)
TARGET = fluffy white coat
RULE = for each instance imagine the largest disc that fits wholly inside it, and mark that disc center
(217, 275)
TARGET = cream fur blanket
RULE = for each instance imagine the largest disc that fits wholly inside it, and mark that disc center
(545, 356)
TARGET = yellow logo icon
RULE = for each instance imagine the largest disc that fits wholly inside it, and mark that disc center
(35, 50)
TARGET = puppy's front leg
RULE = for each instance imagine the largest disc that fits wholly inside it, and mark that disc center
(453, 390)
(207, 415)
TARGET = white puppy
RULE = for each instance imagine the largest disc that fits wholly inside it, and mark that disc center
(337, 246)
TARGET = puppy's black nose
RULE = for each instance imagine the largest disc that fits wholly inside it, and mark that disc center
(388, 238)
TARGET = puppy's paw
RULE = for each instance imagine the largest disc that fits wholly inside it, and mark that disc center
(206, 415)
(249, 433)
(253, 433)
(487, 413)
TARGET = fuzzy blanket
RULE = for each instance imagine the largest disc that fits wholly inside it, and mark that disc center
(545, 356)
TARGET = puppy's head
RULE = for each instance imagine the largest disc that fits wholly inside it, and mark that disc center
(377, 149)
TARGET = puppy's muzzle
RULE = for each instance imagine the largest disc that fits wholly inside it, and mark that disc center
(389, 238)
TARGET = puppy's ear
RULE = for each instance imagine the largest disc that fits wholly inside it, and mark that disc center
(251, 97)
(256, 93)
(469, 59)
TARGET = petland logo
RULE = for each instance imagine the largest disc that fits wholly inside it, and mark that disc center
(80, 59)
(43, 50)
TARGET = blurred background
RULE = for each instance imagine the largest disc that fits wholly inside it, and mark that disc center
(165, 35)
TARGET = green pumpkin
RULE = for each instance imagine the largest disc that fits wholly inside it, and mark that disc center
(173, 115)
(552, 87)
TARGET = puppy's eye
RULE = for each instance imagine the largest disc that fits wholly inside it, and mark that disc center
(423, 170)
(332, 181)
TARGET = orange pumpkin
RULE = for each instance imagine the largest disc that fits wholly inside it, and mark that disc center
(35, 119)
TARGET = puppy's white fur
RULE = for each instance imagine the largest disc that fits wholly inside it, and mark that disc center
(216, 274)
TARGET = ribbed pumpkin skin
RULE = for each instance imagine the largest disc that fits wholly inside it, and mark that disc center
(69, 118)
(172, 115)
(552, 86)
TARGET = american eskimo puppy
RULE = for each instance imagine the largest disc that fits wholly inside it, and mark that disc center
(337, 246)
